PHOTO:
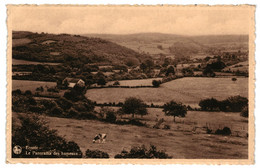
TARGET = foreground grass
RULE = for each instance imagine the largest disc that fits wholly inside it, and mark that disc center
(179, 141)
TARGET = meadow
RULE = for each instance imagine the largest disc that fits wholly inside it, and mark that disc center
(24, 85)
(25, 62)
(138, 82)
(179, 141)
(241, 66)
(188, 90)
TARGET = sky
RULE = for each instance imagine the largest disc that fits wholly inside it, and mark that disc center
(130, 20)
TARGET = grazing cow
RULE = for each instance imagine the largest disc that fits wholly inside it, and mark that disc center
(100, 138)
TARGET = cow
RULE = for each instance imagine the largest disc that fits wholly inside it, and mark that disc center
(100, 138)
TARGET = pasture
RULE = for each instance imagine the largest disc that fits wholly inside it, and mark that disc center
(138, 82)
(24, 85)
(179, 141)
(241, 66)
(25, 62)
(20, 42)
(189, 91)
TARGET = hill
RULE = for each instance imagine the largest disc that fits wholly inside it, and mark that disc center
(171, 44)
(65, 48)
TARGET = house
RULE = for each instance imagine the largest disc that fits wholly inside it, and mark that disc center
(73, 81)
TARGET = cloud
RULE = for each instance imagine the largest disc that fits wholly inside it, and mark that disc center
(125, 20)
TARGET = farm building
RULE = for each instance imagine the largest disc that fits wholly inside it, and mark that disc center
(73, 81)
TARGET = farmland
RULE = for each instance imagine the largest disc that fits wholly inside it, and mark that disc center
(24, 85)
(179, 141)
(23, 62)
(140, 82)
(186, 90)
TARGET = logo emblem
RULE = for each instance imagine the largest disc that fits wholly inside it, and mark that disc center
(17, 150)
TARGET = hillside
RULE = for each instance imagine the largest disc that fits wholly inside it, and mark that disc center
(64, 48)
(171, 44)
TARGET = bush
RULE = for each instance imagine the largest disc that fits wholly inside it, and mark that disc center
(231, 104)
(166, 126)
(96, 154)
(244, 112)
(209, 104)
(111, 117)
(116, 83)
(224, 131)
(28, 93)
(36, 109)
(142, 152)
(33, 131)
(108, 114)
(156, 83)
(57, 111)
(17, 91)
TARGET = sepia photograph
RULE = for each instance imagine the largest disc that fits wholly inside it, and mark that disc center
(130, 84)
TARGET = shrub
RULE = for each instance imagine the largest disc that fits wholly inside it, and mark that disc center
(28, 93)
(156, 83)
(166, 126)
(33, 131)
(224, 131)
(237, 103)
(244, 112)
(48, 104)
(142, 152)
(36, 109)
(116, 83)
(209, 104)
(17, 91)
(96, 154)
(111, 117)
(57, 111)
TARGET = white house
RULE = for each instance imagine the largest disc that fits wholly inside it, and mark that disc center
(73, 81)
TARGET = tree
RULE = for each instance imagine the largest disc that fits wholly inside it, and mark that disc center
(65, 83)
(101, 81)
(237, 103)
(34, 131)
(116, 83)
(156, 83)
(209, 104)
(208, 72)
(244, 112)
(132, 62)
(174, 109)
(149, 63)
(134, 106)
(143, 67)
(170, 70)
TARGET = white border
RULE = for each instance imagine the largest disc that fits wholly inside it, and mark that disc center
(3, 67)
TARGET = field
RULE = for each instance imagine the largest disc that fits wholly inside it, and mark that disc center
(22, 62)
(179, 141)
(139, 82)
(186, 90)
(242, 66)
(20, 42)
(24, 85)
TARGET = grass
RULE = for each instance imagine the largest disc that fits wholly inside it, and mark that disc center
(241, 66)
(25, 62)
(179, 141)
(138, 82)
(24, 85)
(20, 42)
(186, 90)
